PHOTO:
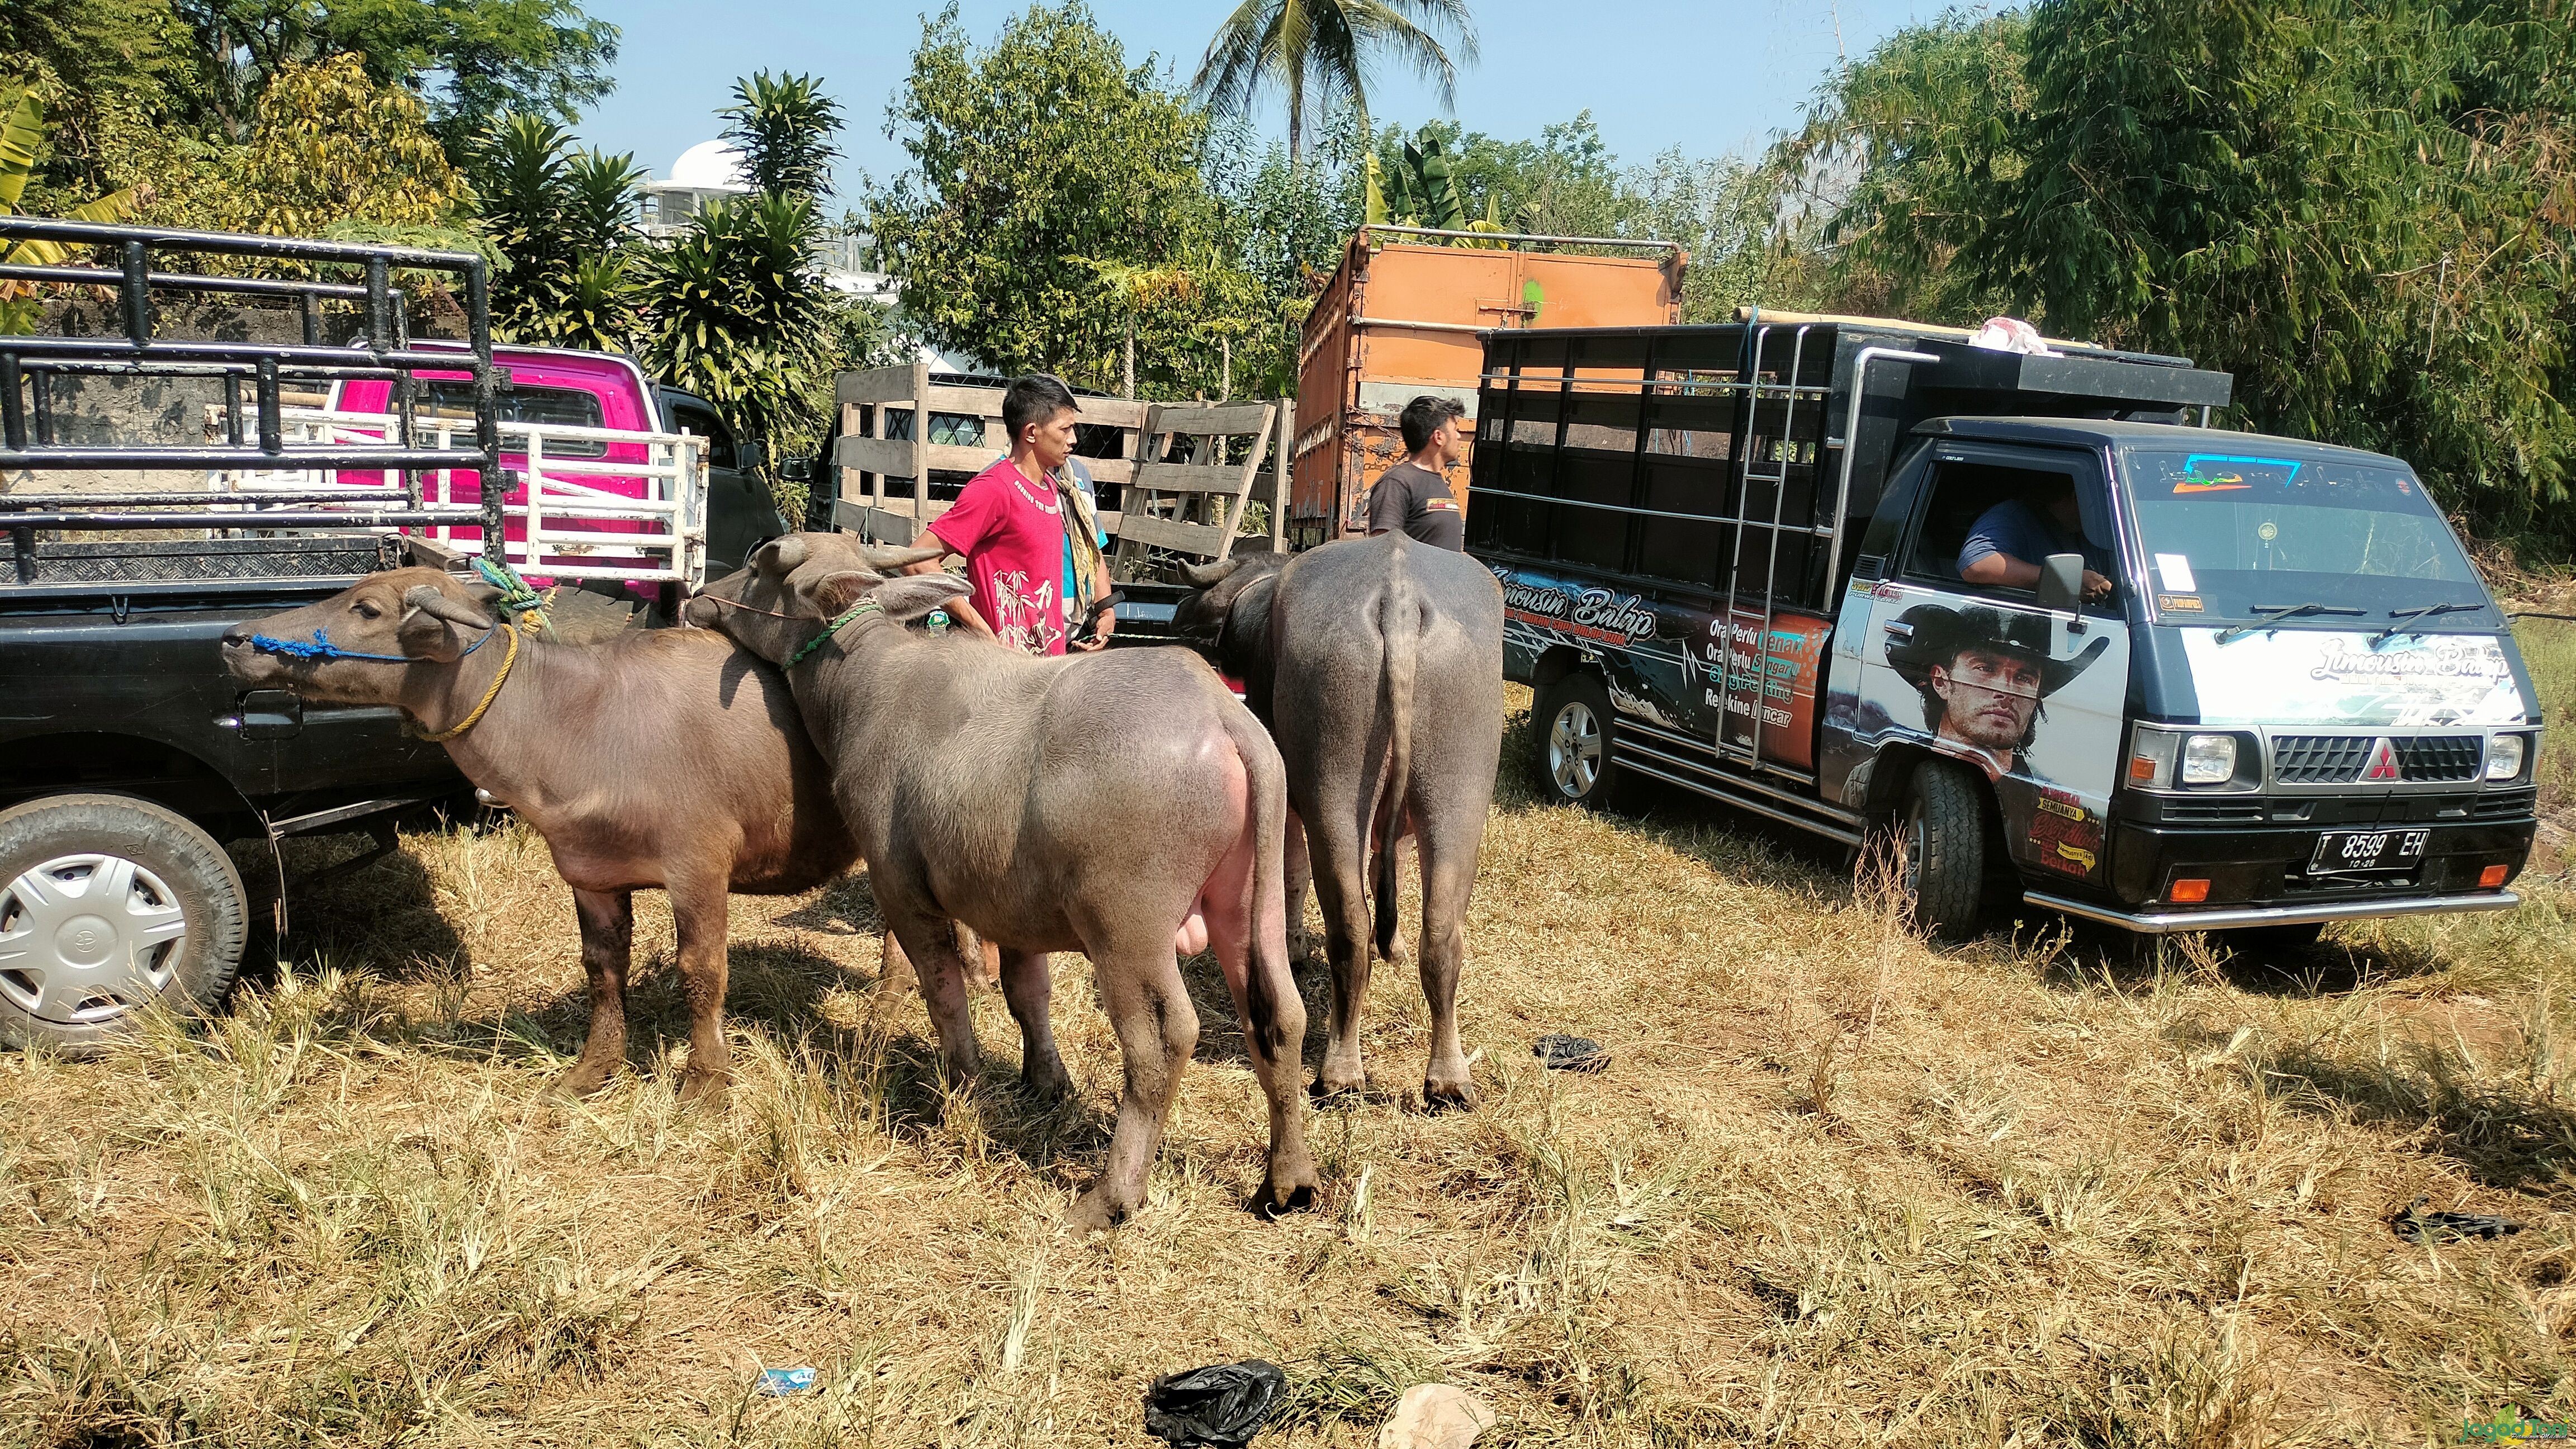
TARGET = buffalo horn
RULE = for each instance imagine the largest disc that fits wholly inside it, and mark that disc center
(428, 599)
(780, 558)
(1208, 574)
(887, 560)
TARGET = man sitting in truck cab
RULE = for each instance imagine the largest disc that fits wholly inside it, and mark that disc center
(2006, 543)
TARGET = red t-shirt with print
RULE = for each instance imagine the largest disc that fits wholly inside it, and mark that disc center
(1011, 531)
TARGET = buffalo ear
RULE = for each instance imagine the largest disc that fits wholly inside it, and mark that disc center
(834, 592)
(700, 612)
(429, 622)
(780, 557)
(908, 598)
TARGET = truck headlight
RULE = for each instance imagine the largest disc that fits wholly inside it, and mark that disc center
(2209, 759)
(2504, 757)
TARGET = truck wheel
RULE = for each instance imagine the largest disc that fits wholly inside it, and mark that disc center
(107, 905)
(1574, 732)
(1945, 850)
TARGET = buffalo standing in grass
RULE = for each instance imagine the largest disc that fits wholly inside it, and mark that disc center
(1378, 665)
(668, 758)
(1122, 805)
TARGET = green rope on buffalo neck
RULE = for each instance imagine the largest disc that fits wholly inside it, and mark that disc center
(516, 597)
(863, 606)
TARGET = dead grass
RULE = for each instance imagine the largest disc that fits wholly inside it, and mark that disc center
(1835, 1188)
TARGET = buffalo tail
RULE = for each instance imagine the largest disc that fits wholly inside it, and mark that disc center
(1399, 624)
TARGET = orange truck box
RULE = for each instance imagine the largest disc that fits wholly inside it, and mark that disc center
(1402, 317)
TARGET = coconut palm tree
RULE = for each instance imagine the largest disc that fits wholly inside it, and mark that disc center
(1322, 49)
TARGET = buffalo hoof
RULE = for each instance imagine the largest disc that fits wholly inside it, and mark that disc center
(1045, 1087)
(1284, 1193)
(1328, 1086)
(1097, 1212)
(1448, 1097)
(583, 1080)
(707, 1090)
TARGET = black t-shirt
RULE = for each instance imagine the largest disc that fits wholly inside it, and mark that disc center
(1417, 501)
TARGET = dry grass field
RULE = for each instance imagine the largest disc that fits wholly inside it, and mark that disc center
(1836, 1188)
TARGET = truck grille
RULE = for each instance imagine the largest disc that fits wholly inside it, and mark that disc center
(2340, 759)
(2437, 757)
(2319, 759)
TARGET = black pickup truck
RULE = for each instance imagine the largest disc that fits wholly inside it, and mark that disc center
(128, 759)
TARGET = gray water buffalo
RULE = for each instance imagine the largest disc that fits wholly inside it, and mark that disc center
(667, 758)
(1122, 805)
(1378, 666)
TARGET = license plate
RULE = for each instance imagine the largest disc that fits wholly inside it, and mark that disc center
(2339, 851)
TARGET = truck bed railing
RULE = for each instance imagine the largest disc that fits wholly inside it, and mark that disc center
(658, 537)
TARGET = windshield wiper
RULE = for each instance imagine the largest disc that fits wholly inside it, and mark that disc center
(2408, 616)
(2271, 614)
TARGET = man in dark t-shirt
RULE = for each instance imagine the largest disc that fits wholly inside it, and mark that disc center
(1412, 496)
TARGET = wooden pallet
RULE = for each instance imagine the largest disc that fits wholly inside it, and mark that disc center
(1190, 507)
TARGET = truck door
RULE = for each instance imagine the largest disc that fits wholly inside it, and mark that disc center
(1979, 671)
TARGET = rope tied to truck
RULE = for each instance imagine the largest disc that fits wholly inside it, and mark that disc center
(517, 598)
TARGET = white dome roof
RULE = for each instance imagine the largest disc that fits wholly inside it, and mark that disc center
(710, 166)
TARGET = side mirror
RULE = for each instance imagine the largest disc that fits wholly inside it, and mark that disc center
(2061, 583)
(747, 456)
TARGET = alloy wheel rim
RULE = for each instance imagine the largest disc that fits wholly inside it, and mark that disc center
(1574, 749)
(87, 938)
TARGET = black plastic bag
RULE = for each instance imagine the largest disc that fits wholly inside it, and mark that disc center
(1562, 1053)
(1221, 1406)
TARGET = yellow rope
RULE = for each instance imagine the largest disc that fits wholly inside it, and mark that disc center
(528, 622)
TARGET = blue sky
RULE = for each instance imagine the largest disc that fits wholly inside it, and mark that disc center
(1711, 76)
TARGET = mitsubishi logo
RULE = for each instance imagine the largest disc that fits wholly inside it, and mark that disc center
(2383, 762)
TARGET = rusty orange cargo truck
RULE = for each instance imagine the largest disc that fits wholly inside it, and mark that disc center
(1402, 317)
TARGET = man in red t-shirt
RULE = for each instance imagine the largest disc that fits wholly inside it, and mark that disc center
(1009, 525)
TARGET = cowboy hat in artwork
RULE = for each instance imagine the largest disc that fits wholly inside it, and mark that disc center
(1984, 675)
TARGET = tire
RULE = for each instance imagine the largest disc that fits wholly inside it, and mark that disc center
(1943, 828)
(73, 972)
(1575, 728)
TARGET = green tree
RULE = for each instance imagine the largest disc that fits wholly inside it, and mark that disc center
(736, 313)
(472, 59)
(22, 135)
(786, 129)
(1319, 54)
(562, 220)
(335, 145)
(1035, 163)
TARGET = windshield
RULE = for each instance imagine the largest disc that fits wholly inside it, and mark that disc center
(2334, 542)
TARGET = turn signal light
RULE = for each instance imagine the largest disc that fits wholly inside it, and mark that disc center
(2493, 876)
(2188, 892)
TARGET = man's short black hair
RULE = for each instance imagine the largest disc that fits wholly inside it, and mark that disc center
(1423, 417)
(1036, 398)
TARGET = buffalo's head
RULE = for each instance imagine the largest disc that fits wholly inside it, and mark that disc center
(406, 619)
(1219, 618)
(795, 586)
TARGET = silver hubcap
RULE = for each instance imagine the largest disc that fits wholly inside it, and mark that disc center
(1574, 749)
(1918, 840)
(87, 938)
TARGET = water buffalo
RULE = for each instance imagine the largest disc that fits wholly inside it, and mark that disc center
(663, 758)
(1378, 665)
(1122, 805)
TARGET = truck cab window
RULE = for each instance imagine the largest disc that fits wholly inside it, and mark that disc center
(1992, 501)
(707, 425)
(562, 407)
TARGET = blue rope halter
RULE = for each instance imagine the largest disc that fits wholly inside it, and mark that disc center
(321, 649)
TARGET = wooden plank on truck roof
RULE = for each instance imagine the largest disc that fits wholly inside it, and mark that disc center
(1225, 420)
(1203, 539)
(892, 456)
(1226, 478)
(875, 386)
